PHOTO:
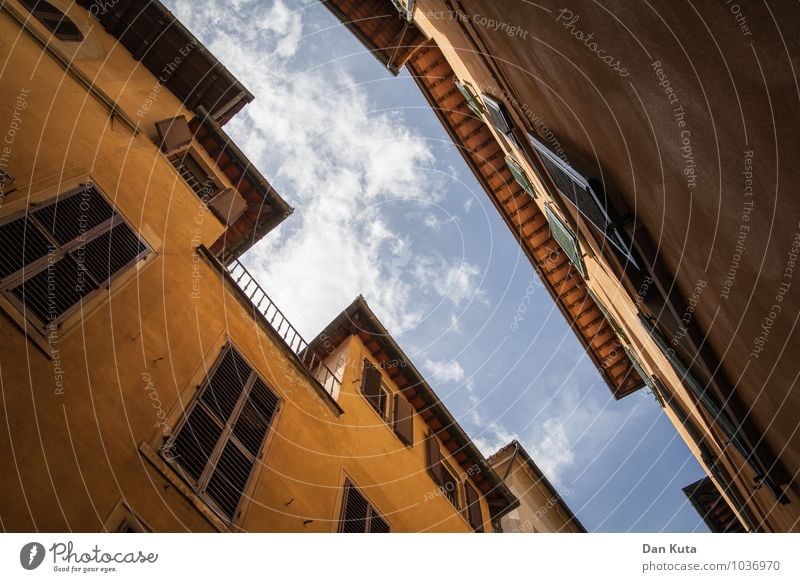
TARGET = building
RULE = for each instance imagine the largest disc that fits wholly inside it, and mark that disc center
(649, 198)
(712, 507)
(148, 381)
(541, 508)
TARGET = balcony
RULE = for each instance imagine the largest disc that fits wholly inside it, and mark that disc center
(263, 306)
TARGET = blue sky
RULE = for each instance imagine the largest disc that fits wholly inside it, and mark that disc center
(386, 207)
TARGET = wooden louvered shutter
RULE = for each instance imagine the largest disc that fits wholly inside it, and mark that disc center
(219, 462)
(355, 511)
(434, 459)
(403, 419)
(371, 386)
(473, 507)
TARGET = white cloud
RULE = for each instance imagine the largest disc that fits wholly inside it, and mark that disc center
(443, 370)
(347, 169)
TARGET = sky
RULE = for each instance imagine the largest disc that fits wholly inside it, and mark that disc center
(386, 207)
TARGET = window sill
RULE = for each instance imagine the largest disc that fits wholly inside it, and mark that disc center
(175, 480)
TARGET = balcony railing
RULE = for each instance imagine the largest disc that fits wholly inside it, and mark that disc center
(263, 304)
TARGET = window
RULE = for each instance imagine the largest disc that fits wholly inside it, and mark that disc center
(708, 401)
(566, 240)
(374, 391)
(59, 254)
(216, 446)
(403, 424)
(195, 175)
(449, 486)
(474, 513)
(500, 118)
(472, 100)
(590, 201)
(53, 20)
(440, 473)
(520, 176)
(358, 515)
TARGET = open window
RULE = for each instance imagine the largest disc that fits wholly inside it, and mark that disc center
(587, 196)
(500, 118)
(54, 20)
(221, 435)
(567, 240)
(374, 391)
(59, 254)
(472, 99)
(439, 471)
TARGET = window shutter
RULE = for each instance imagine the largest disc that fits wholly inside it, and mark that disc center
(498, 115)
(473, 507)
(472, 100)
(520, 177)
(218, 462)
(173, 133)
(371, 386)
(228, 206)
(358, 516)
(85, 243)
(403, 419)
(434, 456)
(566, 240)
(590, 201)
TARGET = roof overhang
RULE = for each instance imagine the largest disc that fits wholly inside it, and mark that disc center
(265, 207)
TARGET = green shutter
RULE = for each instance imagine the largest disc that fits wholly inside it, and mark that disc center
(637, 365)
(519, 176)
(566, 240)
(472, 100)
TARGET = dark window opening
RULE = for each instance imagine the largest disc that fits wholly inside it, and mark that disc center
(54, 20)
(373, 390)
(58, 255)
(358, 515)
(500, 118)
(216, 446)
(449, 486)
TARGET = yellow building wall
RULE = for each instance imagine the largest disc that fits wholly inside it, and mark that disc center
(86, 413)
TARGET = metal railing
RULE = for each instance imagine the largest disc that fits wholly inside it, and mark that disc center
(263, 304)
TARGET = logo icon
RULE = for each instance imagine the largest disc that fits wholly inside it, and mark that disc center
(31, 555)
